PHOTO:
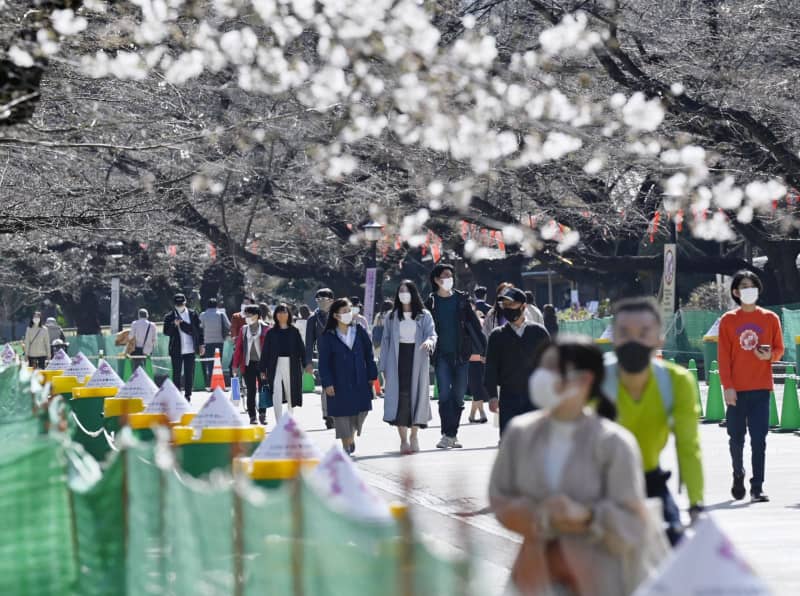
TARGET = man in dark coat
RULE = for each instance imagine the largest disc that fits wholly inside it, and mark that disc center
(314, 330)
(185, 332)
(511, 358)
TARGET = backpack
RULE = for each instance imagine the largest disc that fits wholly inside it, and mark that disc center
(660, 372)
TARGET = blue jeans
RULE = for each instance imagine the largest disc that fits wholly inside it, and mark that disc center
(751, 412)
(451, 378)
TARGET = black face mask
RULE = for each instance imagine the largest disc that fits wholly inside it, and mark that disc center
(512, 314)
(633, 357)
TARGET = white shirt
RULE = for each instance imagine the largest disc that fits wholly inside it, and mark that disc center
(139, 329)
(408, 329)
(559, 446)
(521, 329)
(350, 338)
(187, 343)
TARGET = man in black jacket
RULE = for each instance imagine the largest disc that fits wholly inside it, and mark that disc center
(314, 330)
(510, 358)
(460, 336)
(185, 332)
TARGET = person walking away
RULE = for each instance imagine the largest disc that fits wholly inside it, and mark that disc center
(54, 332)
(144, 334)
(475, 388)
(314, 330)
(282, 362)
(494, 318)
(511, 358)
(347, 369)
(185, 332)
(238, 318)
(409, 338)
(750, 340)
(531, 310)
(378, 322)
(302, 322)
(655, 398)
(569, 481)
(358, 318)
(247, 352)
(216, 327)
(480, 300)
(459, 336)
(550, 319)
(37, 342)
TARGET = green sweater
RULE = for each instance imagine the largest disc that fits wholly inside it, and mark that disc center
(647, 421)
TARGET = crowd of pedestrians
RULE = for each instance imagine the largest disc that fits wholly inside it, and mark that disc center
(581, 433)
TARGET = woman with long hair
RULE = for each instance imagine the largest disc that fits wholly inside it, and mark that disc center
(283, 361)
(409, 338)
(37, 342)
(550, 319)
(569, 480)
(347, 369)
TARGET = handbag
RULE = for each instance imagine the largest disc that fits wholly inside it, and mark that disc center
(264, 398)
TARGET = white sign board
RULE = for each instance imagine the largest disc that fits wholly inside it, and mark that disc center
(139, 385)
(59, 361)
(8, 355)
(668, 281)
(287, 441)
(105, 376)
(168, 400)
(80, 367)
(217, 412)
(704, 565)
(337, 482)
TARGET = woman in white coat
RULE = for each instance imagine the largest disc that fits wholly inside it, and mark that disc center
(409, 337)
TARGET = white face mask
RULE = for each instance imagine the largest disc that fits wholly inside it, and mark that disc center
(542, 390)
(356, 310)
(251, 320)
(36, 320)
(748, 295)
(346, 317)
(447, 283)
(181, 308)
(404, 297)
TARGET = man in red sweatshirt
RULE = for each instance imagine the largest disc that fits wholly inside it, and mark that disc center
(750, 340)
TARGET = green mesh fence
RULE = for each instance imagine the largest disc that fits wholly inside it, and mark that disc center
(791, 329)
(594, 328)
(37, 554)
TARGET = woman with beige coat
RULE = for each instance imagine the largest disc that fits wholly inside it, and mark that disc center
(570, 482)
(37, 342)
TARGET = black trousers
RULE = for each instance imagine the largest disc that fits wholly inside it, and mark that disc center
(252, 381)
(512, 405)
(183, 364)
(37, 362)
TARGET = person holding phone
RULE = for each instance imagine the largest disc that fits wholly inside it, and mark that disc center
(750, 340)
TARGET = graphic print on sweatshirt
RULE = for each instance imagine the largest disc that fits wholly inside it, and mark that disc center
(748, 336)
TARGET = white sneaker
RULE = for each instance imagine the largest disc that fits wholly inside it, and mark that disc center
(444, 443)
(414, 444)
(455, 444)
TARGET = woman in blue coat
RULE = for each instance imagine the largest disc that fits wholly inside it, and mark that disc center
(347, 369)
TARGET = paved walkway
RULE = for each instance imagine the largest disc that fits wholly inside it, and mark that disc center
(447, 483)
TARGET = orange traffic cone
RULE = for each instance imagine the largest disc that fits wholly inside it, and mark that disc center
(217, 378)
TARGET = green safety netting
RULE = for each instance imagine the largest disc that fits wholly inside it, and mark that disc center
(791, 329)
(141, 529)
(594, 328)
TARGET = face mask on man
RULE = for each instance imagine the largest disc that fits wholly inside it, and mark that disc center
(346, 318)
(356, 310)
(748, 295)
(542, 390)
(512, 315)
(633, 357)
(404, 297)
(180, 307)
(447, 283)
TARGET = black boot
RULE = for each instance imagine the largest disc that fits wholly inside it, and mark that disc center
(262, 416)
